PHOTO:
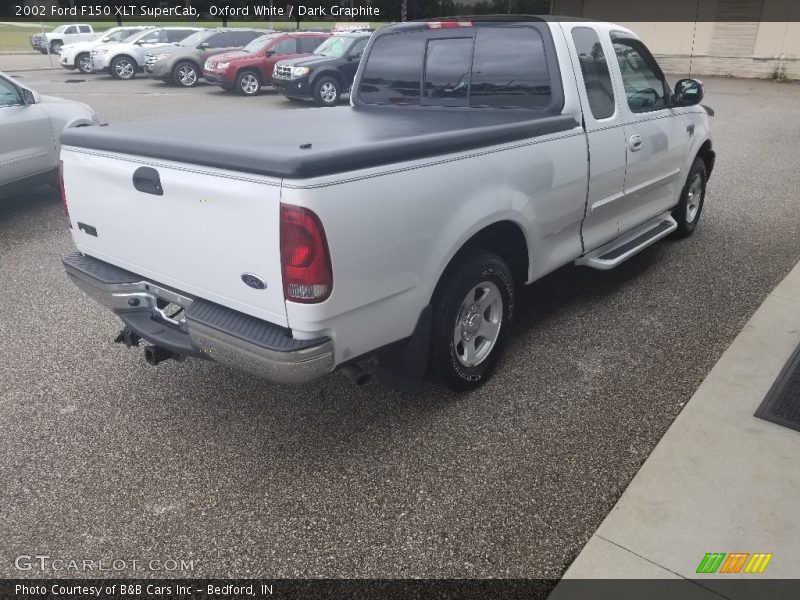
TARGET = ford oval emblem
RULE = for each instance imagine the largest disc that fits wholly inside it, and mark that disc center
(254, 281)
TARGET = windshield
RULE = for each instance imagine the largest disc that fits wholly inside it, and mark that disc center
(259, 43)
(195, 39)
(59, 29)
(334, 47)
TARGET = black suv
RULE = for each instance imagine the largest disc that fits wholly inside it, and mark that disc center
(326, 74)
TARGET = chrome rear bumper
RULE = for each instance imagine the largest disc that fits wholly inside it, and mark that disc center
(204, 329)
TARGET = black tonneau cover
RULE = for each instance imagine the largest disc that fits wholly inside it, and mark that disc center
(317, 141)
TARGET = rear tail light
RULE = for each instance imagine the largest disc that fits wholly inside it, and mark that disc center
(305, 259)
(63, 193)
(448, 24)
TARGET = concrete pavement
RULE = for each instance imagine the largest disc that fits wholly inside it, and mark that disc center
(720, 480)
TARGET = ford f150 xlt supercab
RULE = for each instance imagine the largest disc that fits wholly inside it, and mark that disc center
(477, 154)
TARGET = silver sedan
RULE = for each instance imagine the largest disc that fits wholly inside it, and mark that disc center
(30, 128)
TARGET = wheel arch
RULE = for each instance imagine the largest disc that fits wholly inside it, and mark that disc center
(706, 152)
(329, 73)
(505, 238)
(124, 55)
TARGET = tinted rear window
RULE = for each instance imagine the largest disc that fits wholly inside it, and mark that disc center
(447, 65)
(498, 67)
(509, 69)
(394, 72)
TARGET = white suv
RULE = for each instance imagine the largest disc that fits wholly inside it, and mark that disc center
(79, 55)
(123, 60)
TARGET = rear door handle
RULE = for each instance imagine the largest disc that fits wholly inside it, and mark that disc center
(635, 142)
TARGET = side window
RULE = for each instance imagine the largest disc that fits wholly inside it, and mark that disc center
(287, 46)
(358, 48)
(9, 96)
(85, 29)
(176, 35)
(70, 30)
(309, 44)
(223, 39)
(446, 79)
(245, 37)
(594, 67)
(503, 79)
(156, 37)
(393, 70)
(645, 86)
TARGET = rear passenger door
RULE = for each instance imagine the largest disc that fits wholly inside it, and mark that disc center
(605, 132)
(655, 135)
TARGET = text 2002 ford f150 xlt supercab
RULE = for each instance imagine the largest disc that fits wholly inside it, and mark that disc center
(476, 155)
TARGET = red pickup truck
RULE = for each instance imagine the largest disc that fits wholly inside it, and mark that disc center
(246, 70)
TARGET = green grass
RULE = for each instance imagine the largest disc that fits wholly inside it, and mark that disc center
(14, 38)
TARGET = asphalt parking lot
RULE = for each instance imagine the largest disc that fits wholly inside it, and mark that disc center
(105, 457)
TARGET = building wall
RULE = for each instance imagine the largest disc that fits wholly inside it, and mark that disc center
(745, 38)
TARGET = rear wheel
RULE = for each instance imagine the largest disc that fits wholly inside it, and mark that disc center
(83, 62)
(185, 74)
(690, 206)
(472, 309)
(123, 67)
(326, 92)
(248, 83)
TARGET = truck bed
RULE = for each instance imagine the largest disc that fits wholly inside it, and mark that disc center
(314, 142)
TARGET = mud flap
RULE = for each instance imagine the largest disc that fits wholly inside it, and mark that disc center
(402, 366)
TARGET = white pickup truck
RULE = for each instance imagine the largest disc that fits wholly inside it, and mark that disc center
(477, 155)
(60, 36)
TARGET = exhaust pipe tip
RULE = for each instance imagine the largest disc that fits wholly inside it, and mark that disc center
(355, 374)
(156, 354)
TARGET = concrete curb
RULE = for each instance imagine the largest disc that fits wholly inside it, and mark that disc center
(720, 480)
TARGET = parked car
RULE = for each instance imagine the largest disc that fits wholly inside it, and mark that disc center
(327, 74)
(51, 42)
(79, 54)
(30, 126)
(123, 60)
(247, 70)
(181, 63)
(478, 154)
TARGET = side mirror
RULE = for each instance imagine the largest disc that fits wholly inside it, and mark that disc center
(28, 96)
(353, 57)
(688, 92)
(270, 52)
(203, 46)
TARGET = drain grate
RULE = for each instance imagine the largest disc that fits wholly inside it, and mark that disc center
(782, 403)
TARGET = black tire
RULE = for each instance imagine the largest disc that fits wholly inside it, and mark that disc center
(55, 46)
(453, 317)
(83, 63)
(248, 83)
(327, 91)
(123, 67)
(185, 74)
(690, 206)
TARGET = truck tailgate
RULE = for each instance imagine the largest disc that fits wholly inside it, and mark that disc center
(204, 231)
